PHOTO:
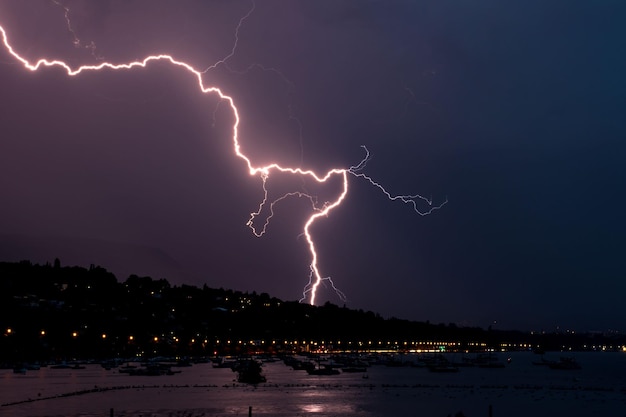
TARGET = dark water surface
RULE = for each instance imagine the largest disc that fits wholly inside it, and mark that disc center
(520, 389)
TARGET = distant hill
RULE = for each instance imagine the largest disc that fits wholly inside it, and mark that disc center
(54, 311)
(122, 259)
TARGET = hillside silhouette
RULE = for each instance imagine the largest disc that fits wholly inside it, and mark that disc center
(55, 312)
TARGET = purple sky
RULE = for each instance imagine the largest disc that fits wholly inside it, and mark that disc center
(514, 112)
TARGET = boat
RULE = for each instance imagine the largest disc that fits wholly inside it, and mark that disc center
(565, 364)
(154, 369)
(323, 371)
(109, 364)
(353, 369)
(492, 365)
(65, 365)
(303, 366)
(327, 369)
(128, 368)
(487, 360)
(395, 363)
(426, 361)
(185, 362)
(221, 363)
(544, 362)
(440, 364)
(249, 372)
(19, 369)
(443, 368)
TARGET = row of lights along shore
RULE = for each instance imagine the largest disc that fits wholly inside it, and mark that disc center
(322, 346)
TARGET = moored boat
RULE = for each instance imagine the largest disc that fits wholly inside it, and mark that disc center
(19, 369)
(565, 363)
(323, 371)
(353, 369)
(249, 372)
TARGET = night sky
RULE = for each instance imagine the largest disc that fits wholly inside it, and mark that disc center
(513, 111)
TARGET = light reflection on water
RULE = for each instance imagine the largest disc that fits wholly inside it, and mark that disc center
(520, 389)
(317, 401)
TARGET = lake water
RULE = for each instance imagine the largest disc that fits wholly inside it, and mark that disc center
(520, 389)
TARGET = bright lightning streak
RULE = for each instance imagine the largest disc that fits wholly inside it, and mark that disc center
(315, 276)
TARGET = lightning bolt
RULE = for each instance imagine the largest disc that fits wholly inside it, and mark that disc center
(263, 172)
(235, 43)
(76, 40)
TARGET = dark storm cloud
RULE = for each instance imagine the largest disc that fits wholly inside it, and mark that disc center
(514, 111)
